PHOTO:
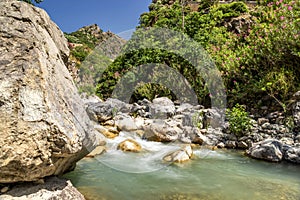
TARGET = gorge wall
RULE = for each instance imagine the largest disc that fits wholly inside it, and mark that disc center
(43, 124)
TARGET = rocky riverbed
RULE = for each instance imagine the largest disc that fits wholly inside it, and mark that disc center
(45, 129)
(163, 121)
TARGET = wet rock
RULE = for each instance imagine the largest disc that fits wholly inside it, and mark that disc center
(180, 156)
(269, 150)
(161, 131)
(97, 151)
(43, 124)
(108, 132)
(53, 188)
(162, 108)
(130, 145)
(293, 154)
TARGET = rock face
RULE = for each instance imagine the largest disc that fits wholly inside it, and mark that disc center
(53, 188)
(43, 125)
(269, 150)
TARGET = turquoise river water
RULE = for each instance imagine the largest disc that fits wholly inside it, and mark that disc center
(210, 175)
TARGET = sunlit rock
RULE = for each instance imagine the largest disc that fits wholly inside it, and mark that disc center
(44, 127)
(269, 150)
(179, 156)
(52, 188)
(130, 145)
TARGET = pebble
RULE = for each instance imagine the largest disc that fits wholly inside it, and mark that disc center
(4, 190)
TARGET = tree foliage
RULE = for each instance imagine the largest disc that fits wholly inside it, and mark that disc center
(259, 58)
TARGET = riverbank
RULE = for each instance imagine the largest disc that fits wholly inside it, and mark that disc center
(269, 139)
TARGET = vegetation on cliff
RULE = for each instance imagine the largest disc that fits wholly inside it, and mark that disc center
(256, 48)
(82, 43)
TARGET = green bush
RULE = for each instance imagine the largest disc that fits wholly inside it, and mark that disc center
(239, 121)
(80, 53)
(126, 65)
(72, 38)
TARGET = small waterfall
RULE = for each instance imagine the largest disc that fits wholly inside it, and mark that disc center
(149, 160)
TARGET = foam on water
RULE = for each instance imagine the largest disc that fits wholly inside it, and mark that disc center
(211, 175)
(149, 160)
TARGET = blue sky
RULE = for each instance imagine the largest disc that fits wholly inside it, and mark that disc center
(114, 15)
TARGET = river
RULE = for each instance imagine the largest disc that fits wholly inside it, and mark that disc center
(210, 175)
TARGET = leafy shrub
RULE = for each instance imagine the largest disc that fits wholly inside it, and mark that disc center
(239, 121)
(233, 9)
(151, 91)
(124, 65)
(80, 53)
(71, 38)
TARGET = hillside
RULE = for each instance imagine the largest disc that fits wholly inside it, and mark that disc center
(82, 44)
(255, 47)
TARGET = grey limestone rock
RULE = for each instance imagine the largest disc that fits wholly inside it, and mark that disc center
(270, 150)
(43, 124)
(52, 188)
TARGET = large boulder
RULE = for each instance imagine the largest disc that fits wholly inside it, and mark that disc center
(180, 156)
(162, 131)
(53, 188)
(103, 111)
(270, 150)
(162, 108)
(125, 122)
(130, 145)
(43, 124)
(293, 154)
